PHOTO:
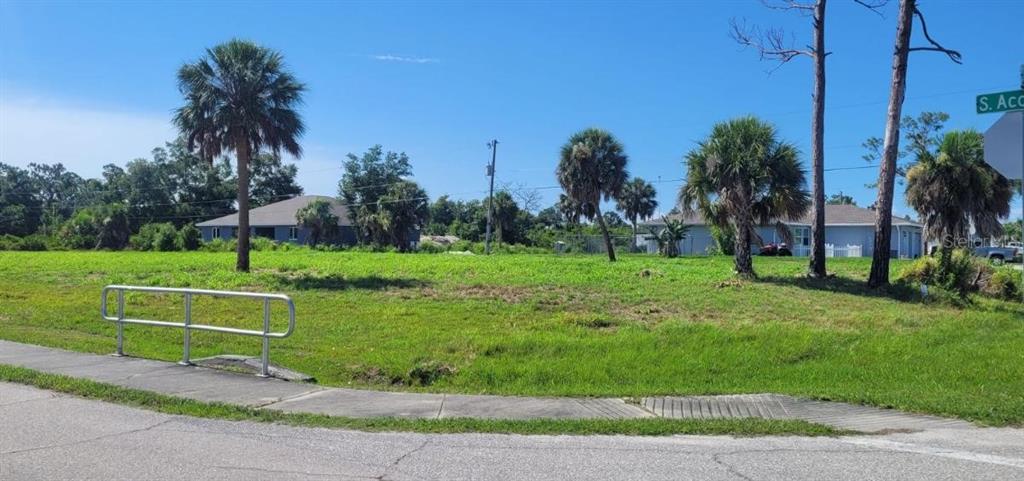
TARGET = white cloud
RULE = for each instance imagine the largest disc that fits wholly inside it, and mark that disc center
(400, 58)
(83, 139)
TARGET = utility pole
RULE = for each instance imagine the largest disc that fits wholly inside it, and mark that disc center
(490, 197)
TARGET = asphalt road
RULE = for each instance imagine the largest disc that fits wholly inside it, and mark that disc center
(48, 437)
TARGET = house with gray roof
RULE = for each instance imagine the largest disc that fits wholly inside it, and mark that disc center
(277, 222)
(849, 232)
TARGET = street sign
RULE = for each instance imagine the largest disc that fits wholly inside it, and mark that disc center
(1000, 102)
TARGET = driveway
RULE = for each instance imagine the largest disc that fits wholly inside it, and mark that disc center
(49, 436)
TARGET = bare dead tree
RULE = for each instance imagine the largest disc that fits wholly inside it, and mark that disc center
(890, 145)
(529, 198)
(771, 44)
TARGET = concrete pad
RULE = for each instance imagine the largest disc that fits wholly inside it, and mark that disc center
(114, 369)
(364, 404)
(509, 407)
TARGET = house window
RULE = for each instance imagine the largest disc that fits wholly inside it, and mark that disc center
(293, 233)
(802, 236)
(234, 232)
(216, 232)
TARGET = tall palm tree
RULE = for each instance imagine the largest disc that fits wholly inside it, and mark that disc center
(637, 202)
(239, 97)
(505, 212)
(742, 175)
(955, 189)
(592, 167)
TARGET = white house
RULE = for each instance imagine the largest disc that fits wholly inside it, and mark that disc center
(849, 232)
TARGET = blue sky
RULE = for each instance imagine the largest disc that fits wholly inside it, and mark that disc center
(89, 83)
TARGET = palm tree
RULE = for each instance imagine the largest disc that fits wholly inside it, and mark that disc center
(955, 189)
(505, 212)
(240, 97)
(403, 211)
(742, 175)
(637, 202)
(318, 218)
(592, 167)
(668, 238)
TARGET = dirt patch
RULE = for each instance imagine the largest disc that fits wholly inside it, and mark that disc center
(509, 294)
(649, 273)
(425, 373)
(375, 376)
(734, 283)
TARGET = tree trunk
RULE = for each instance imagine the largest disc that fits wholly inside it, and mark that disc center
(604, 231)
(890, 147)
(744, 222)
(242, 154)
(817, 260)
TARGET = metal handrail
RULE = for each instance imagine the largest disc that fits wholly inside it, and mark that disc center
(187, 325)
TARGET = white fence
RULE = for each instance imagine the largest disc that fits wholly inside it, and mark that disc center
(831, 251)
(843, 251)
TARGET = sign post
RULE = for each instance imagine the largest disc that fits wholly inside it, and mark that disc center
(1009, 101)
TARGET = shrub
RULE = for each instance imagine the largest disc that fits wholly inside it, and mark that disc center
(79, 231)
(922, 271)
(220, 245)
(725, 240)
(103, 226)
(1002, 284)
(963, 275)
(189, 238)
(112, 227)
(155, 236)
(461, 245)
(36, 242)
(430, 247)
(10, 242)
(165, 238)
(262, 244)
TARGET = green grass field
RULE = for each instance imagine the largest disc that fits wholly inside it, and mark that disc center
(550, 325)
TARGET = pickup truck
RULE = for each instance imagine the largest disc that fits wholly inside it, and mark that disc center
(997, 254)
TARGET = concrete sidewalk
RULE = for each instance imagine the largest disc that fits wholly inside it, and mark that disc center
(205, 384)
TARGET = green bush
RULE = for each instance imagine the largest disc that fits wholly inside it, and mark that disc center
(79, 231)
(189, 238)
(36, 242)
(262, 244)
(461, 245)
(1003, 284)
(220, 245)
(155, 237)
(166, 238)
(725, 240)
(922, 271)
(10, 242)
(964, 274)
(430, 247)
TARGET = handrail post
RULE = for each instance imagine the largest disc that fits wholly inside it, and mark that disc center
(265, 355)
(187, 347)
(120, 323)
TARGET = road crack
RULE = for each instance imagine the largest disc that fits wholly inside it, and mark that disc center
(89, 440)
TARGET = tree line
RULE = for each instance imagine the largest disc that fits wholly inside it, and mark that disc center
(174, 186)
